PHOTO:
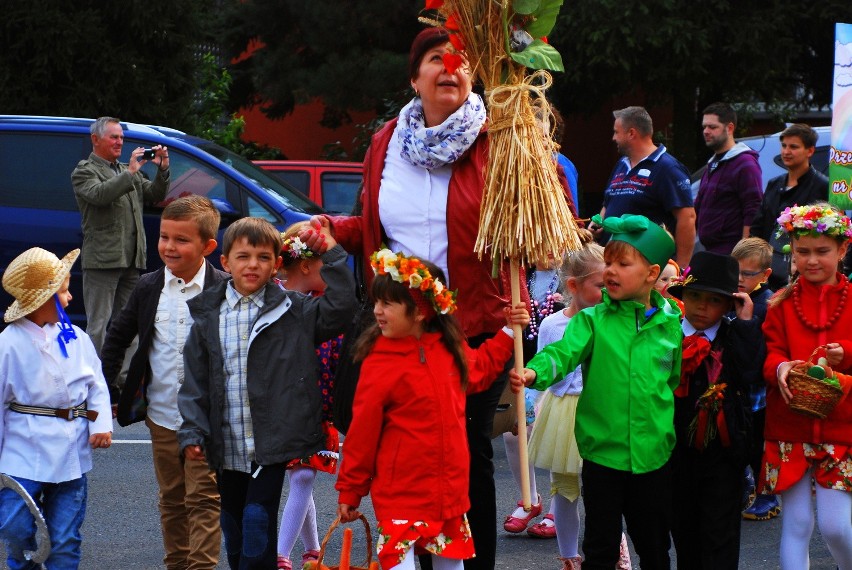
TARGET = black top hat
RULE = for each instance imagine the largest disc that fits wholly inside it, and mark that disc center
(709, 272)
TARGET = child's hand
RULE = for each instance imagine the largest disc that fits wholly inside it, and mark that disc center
(744, 306)
(97, 440)
(318, 238)
(783, 371)
(517, 315)
(194, 453)
(518, 382)
(347, 513)
(834, 354)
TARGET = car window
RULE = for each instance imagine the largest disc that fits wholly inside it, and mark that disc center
(298, 179)
(37, 169)
(339, 191)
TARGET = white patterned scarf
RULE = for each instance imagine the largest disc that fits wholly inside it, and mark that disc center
(432, 147)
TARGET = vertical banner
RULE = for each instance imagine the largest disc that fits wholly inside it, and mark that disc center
(840, 158)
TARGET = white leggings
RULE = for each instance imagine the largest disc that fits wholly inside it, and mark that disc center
(300, 515)
(510, 440)
(834, 515)
(438, 562)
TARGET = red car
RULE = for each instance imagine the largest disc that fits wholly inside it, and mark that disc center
(333, 185)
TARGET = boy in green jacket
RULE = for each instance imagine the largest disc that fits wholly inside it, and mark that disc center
(630, 348)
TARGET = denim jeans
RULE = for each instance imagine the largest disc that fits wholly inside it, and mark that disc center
(63, 506)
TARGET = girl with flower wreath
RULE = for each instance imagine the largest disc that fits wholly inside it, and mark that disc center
(812, 311)
(407, 444)
(300, 271)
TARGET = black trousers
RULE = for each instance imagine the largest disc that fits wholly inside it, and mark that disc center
(482, 516)
(644, 500)
(250, 516)
(707, 503)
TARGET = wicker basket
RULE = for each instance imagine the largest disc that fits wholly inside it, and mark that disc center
(347, 544)
(811, 396)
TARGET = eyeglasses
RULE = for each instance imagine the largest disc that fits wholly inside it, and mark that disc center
(747, 274)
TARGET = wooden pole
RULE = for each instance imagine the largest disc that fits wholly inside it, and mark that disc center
(520, 402)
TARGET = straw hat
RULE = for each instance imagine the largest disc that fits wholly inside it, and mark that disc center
(32, 278)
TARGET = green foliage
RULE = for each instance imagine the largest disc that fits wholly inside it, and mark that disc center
(130, 59)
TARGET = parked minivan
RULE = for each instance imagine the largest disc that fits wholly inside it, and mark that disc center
(332, 185)
(38, 208)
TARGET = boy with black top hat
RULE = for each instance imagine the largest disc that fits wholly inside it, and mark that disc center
(722, 360)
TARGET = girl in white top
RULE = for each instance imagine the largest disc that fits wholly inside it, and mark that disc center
(552, 443)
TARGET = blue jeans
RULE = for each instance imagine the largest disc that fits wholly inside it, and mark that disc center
(63, 506)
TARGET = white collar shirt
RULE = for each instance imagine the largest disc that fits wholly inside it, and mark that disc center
(710, 333)
(413, 207)
(171, 327)
(34, 372)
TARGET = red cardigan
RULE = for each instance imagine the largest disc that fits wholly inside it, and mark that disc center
(407, 445)
(480, 298)
(788, 339)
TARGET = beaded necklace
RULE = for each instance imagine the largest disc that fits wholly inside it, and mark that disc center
(540, 309)
(797, 303)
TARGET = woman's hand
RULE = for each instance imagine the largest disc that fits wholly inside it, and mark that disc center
(517, 315)
(318, 238)
(834, 354)
(783, 371)
(347, 513)
(100, 440)
(519, 381)
(194, 453)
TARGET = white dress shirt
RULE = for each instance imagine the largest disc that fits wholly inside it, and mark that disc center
(34, 372)
(171, 327)
(710, 334)
(413, 207)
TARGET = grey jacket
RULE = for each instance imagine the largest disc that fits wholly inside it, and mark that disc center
(282, 368)
(105, 199)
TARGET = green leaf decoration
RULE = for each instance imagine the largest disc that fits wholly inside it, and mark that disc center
(544, 18)
(525, 6)
(539, 55)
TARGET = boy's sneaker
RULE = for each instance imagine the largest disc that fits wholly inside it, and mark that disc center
(748, 488)
(763, 508)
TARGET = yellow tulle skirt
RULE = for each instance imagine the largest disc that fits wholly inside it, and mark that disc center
(552, 444)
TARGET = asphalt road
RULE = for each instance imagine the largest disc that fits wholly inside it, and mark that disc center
(122, 522)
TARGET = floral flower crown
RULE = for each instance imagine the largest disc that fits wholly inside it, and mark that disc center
(295, 248)
(814, 220)
(412, 271)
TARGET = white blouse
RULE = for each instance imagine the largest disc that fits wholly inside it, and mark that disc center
(413, 207)
(34, 372)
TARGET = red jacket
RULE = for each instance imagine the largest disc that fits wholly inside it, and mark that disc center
(788, 339)
(407, 445)
(480, 298)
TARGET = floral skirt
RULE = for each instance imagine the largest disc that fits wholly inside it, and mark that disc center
(784, 464)
(326, 459)
(552, 443)
(450, 538)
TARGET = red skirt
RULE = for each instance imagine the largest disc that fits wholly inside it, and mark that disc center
(450, 539)
(784, 464)
(325, 460)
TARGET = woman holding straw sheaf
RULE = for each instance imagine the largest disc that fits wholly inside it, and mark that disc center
(423, 185)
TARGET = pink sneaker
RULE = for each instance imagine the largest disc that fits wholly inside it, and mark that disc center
(543, 529)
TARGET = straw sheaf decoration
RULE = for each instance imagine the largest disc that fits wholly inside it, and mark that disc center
(524, 214)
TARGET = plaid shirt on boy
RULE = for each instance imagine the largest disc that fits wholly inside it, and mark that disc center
(236, 318)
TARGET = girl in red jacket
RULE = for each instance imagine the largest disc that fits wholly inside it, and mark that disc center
(407, 444)
(812, 311)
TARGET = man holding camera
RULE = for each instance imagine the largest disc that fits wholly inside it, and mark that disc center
(110, 196)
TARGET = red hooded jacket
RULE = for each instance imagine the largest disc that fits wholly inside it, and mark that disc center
(407, 445)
